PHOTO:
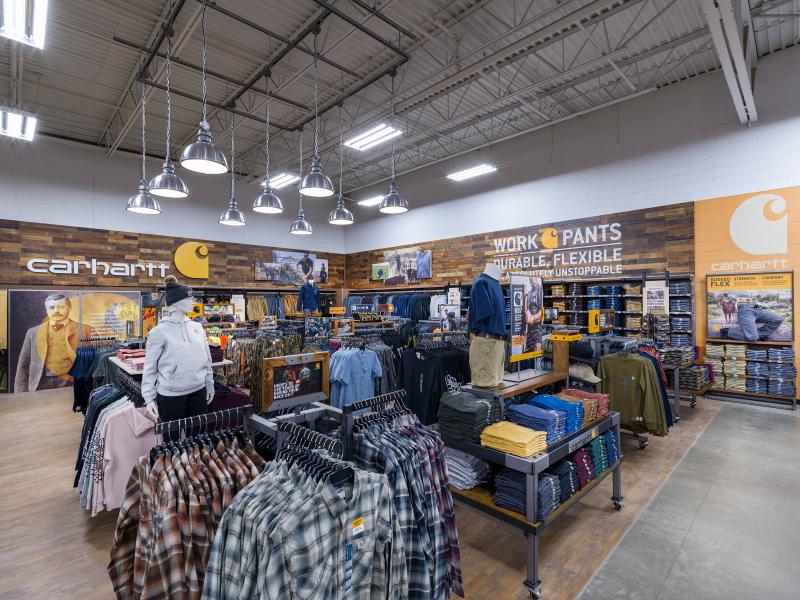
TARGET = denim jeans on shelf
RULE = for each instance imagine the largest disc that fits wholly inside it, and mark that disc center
(750, 317)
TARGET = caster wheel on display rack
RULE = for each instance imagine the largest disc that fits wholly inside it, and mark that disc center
(619, 504)
(643, 444)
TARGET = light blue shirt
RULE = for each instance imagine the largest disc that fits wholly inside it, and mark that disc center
(352, 375)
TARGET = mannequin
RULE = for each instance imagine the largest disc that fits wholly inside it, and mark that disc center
(177, 381)
(308, 298)
(487, 321)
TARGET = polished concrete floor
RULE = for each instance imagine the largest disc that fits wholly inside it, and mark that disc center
(725, 523)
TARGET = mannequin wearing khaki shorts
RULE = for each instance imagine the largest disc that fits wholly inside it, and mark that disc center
(487, 359)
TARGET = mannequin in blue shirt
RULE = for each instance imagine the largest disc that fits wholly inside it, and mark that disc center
(487, 321)
(308, 298)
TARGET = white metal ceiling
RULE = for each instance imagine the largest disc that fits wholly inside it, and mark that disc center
(479, 70)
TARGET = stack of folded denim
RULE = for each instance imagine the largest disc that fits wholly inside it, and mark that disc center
(737, 383)
(680, 305)
(759, 369)
(781, 370)
(782, 354)
(567, 473)
(549, 495)
(680, 340)
(465, 471)
(513, 439)
(594, 290)
(510, 490)
(601, 399)
(676, 355)
(681, 323)
(695, 377)
(551, 422)
(597, 448)
(736, 351)
(612, 446)
(583, 460)
(574, 410)
(463, 416)
(680, 288)
(757, 386)
(782, 387)
(755, 354)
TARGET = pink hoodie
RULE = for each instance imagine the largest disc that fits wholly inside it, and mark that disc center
(127, 434)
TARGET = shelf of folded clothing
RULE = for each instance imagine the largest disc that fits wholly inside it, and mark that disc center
(480, 498)
(537, 463)
(764, 343)
(529, 385)
(133, 371)
(752, 394)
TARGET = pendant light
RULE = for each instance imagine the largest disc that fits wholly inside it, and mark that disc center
(393, 203)
(202, 156)
(316, 184)
(267, 201)
(232, 215)
(167, 184)
(142, 202)
(341, 215)
(300, 226)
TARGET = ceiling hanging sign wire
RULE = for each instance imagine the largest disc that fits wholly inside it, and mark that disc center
(167, 184)
(202, 156)
(142, 202)
(393, 202)
(232, 216)
(268, 201)
(341, 215)
(300, 226)
(316, 184)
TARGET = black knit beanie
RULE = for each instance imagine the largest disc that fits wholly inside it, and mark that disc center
(176, 291)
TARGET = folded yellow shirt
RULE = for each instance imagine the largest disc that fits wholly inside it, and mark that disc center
(514, 439)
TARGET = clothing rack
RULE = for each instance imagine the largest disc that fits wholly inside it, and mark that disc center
(163, 427)
(276, 427)
(131, 386)
(347, 419)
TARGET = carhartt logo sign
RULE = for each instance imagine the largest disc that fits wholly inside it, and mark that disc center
(60, 266)
(191, 260)
(760, 225)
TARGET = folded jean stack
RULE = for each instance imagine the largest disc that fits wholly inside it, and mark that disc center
(552, 422)
(597, 448)
(715, 357)
(680, 288)
(613, 300)
(463, 416)
(549, 495)
(681, 324)
(465, 471)
(573, 410)
(612, 446)
(736, 351)
(757, 385)
(576, 304)
(567, 473)
(514, 439)
(781, 354)
(781, 371)
(695, 377)
(657, 327)
(583, 460)
(782, 387)
(759, 369)
(755, 354)
(510, 490)
(680, 305)
(601, 399)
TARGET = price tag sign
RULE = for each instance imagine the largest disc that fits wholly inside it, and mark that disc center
(363, 307)
(337, 310)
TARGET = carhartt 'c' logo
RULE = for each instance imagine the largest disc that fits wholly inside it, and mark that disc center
(191, 260)
(550, 238)
(760, 225)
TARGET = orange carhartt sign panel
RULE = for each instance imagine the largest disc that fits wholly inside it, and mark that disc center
(748, 233)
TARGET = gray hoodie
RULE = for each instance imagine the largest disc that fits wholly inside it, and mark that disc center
(178, 360)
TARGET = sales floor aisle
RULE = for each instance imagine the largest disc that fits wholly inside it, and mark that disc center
(51, 549)
(725, 523)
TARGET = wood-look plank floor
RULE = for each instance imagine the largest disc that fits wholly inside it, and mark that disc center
(52, 549)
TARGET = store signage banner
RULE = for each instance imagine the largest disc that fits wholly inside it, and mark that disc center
(527, 313)
(554, 253)
(750, 307)
(656, 298)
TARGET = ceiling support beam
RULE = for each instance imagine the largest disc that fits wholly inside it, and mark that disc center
(16, 65)
(728, 43)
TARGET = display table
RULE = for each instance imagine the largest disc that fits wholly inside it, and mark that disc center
(120, 364)
(480, 498)
(678, 393)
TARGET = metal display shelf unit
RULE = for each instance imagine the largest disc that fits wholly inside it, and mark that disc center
(531, 524)
(131, 371)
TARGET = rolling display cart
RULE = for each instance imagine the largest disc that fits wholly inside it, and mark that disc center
(480, 498)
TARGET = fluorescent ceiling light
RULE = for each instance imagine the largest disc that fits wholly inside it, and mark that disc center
(24, 21)
(282, 180)
(374, 201)
(472, 172)
(17, 125)
(373, 137)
